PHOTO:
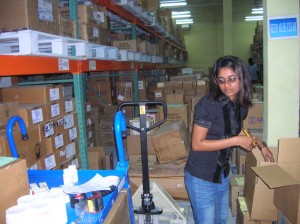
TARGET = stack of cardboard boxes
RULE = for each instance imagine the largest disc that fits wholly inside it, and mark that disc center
(51, 123)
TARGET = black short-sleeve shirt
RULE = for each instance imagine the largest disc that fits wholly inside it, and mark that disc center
(208, 114)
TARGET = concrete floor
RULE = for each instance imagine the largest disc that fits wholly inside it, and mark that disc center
(190, 220)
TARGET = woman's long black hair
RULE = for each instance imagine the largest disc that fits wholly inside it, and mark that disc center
(238, 66)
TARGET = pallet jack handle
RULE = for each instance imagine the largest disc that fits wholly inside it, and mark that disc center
(120, 125)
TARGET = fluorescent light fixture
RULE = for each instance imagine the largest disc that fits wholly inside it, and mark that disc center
(173, 4)
(181, 16)
(181, 12)
(257, 11)
(184, 21)
(253, 18)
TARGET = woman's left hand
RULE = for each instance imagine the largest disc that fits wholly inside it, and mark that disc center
(267, 154)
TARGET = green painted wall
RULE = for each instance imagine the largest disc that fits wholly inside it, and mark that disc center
(204, 43)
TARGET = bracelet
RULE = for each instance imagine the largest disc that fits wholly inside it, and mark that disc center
(264, 144)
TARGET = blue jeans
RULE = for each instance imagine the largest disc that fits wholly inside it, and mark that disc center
(209, 201)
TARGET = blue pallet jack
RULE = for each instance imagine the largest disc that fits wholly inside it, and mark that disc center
(148, 209)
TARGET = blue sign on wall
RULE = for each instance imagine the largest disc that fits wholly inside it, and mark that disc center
(283, 27)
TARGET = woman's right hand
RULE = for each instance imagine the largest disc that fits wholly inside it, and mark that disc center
(246, 142)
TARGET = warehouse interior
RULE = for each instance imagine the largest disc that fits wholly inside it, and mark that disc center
(98, 101)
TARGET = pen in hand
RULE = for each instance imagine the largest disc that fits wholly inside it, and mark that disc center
(249, 136)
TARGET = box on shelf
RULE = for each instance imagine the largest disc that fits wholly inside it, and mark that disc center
(33, 139)
(130, 45)
(133, 145)
(32, 94)
(99, 159)
(254, 119)
(176, 112)
(29, 14)
(7, 110)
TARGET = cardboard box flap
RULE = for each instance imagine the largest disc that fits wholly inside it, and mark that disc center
(274, 176)
(289, 150)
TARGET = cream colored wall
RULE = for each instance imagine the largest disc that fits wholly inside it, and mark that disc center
(204, 43)
(281, 75)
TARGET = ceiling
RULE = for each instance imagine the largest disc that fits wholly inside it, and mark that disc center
(206, 11)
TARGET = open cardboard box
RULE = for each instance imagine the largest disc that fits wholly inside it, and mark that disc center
(284, 178)
(258, 196)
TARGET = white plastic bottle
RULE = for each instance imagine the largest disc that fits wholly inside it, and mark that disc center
(68, 177)
(74, 173)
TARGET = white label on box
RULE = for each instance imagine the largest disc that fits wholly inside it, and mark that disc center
(88, 121)
(34, 167)
(59, 141)
(72, 133)
(68, 106)
(98, 16)
(54, 94)
(62, 153)
(95, 32)
(45, 10)
(92, 65)
(5, 82)
(60, 122)
(48, 129)
(158, 94)
(68, 121)
(128, 84)
(70, 150)
(75, 162)
(90, 134)
(63, 64)
(37, 115)
(50, 162)
(88, 108)
(121, 98)
(55, 110)
(141, 84)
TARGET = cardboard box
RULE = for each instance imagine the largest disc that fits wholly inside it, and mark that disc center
(47, 162)
(175, 98)
(7, 110)
(243, 216)
(236, 190)
(171, 142)
(176, 112)
(14, 183)
(284, 177)
(130, 45)
(37, 94)
(67, 26)
(259, 197)
(46, 129)
(119, 213)
(54, 109)
(136, 123)
(29, 14)
(133, 145)
(30, 154)
(33, 139)
(254, 119)
(241, 160)
(98, 159)
(169, 176)
(32, 113)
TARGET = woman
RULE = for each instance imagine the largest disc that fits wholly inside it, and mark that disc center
(217, 127)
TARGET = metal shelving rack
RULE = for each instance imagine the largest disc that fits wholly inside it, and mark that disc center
(37, 65)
